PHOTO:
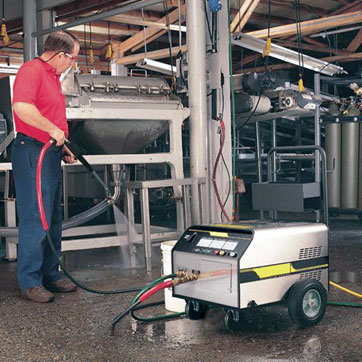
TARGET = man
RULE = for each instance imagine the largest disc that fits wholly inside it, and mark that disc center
(39, 114)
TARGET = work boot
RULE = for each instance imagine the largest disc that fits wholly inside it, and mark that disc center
(62, 285)
(37, 294)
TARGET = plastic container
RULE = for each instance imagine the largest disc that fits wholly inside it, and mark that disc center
(172, 304)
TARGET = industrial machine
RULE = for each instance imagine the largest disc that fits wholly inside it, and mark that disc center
(251, 264)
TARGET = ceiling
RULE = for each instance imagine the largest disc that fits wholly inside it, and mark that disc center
(330, 34)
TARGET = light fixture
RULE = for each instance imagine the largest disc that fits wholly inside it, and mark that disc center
(287, 55)
(156, 66)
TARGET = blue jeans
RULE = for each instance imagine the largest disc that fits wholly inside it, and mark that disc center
(36, 262)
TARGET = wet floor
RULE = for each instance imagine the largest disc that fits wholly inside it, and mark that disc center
(76, 327)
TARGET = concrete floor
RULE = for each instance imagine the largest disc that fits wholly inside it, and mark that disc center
(76, 327)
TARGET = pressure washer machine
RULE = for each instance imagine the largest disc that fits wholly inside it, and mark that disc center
(251, 264)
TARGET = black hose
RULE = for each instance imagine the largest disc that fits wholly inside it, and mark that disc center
(117, 291)
(72, 222)
(124, 313)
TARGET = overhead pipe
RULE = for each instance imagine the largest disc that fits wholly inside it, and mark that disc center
(128, 6)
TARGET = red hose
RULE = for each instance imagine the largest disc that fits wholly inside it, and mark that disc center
(215, 168)
(39, 196)
(155, 289)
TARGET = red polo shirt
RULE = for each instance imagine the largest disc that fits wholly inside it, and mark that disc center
(37, 83)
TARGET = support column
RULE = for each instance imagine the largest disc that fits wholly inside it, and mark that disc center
(196, 45)
(29, 26)
(317, 136)
(44, 20)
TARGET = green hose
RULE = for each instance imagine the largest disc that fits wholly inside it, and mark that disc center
(345, 304)
(158, 317)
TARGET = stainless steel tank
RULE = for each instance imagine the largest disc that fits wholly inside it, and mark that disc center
(126, 135)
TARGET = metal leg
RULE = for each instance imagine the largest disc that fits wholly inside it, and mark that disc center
(131, 234)
(145, 214)
(65, 193)
(10, 220)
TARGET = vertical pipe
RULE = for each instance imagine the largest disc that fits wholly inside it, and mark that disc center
(44, 19)
(333, 150)
(196, 45)
(317, 135)
(258, 159)
(274, 214)
(258, 152)
(298, 136)
(349, 180)
(29, 26)
(360, 170)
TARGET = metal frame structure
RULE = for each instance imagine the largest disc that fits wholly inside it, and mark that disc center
(183, 220)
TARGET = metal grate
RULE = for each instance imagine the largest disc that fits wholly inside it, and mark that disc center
(316, 275)
(308, 253)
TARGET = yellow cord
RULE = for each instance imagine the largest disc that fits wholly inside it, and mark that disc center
(345, 289)
(91, 55)
(267, 50)
(300, 85)
(3, 32)
(109, 51)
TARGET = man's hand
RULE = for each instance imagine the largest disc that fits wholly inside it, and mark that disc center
(58, 135)
(68, 156)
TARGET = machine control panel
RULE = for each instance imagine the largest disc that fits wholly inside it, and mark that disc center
(214, 242)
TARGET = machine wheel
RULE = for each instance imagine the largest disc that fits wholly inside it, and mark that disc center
(232, 320)
(195, 310)
(307, 302)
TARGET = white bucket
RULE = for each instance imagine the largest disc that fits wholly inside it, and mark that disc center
(172, 304)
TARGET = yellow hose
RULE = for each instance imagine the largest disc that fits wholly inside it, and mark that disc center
(345, 289)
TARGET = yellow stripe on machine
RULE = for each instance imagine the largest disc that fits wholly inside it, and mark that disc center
(277, 270)
(219, 234)
(233, 226)
(273, 270)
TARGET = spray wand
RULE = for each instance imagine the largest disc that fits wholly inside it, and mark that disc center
(45, 223)
(144, 293)
(85, 163)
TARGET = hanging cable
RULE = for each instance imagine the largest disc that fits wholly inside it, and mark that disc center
(144, 34)
(267, 50)
(91, 53)
(222, 142)
(85, 48)
(109, 46)
(165, 7)
(222, 155)
(179, 26)
(299, 41)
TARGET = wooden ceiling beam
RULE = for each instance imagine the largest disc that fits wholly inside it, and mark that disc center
(311, 26)
(119, 48)
(101, 27)
(81, 7)
(324, 49)
(348, 7)
(126, 19)
(261, 18)
(303, 9)
(356, 42)
(243, 15)
(157, 54)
